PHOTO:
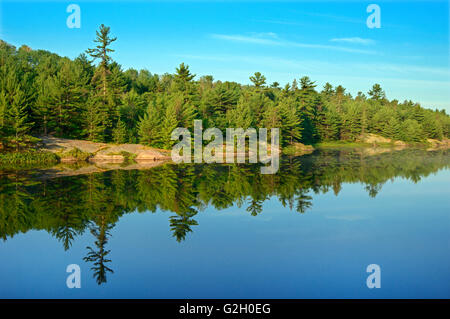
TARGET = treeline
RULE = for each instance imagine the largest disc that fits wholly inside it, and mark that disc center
(92, 98)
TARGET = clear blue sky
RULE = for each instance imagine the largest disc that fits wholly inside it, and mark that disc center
(328, 41)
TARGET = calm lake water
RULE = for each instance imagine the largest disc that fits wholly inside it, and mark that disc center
(226, 231)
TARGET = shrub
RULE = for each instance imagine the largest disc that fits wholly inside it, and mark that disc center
(76, 153)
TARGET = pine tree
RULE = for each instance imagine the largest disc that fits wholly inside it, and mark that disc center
(241, 116)
(217, 102)
(351, 127)
(95, 119)
(170, 122)
(149, 128)
(66, 98)
(327, 90)
(106, 96)
(183, 77)
(306, 84)
(377, 93)
(14, 104)
(131, 111)
(309, 101)
(330, 129)
(258, 80)
(101, 51)
(272, 118)
(43, 108)
(120, 133)
(431, 127)
(275, 85)
(392, 129)
(412, 131)
(18, 118)
(291, 129)
(294, 86)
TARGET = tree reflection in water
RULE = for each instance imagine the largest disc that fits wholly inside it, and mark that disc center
(67, 207)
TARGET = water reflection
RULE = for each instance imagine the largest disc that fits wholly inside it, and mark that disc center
(67, 207)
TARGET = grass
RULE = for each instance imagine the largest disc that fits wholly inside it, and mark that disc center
(75, 153)
(28, 157)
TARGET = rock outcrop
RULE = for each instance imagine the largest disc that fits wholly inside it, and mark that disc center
(101, 152)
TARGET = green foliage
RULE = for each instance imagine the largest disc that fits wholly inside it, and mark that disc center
(149, 127)
(258, 79)
(75, 153)
(43, 93)
(376, 93)
(70, 206)
(28, 157)
(412, 131)
(120, 133)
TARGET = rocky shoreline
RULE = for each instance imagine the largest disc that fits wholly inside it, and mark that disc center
(71, 151)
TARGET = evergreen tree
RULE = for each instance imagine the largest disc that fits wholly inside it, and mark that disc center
(18, 118)
(327, 90)
(291, 128)
(103, 101)
(150, 128)
(258, 80)
(377, 93)
(43, 93)
(183, 77)
(120, 133)
(392, 129)
(95, 120)
(411, 131)
(66, 98)
(169, 123)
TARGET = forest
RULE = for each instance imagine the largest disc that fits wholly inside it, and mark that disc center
(92, 98)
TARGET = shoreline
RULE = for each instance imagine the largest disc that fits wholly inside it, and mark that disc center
(54, 151)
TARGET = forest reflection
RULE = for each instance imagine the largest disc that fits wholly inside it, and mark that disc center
(68, 207)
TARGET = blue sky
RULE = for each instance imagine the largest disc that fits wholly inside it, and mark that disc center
(328, 41)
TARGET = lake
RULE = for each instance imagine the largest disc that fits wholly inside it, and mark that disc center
(226, 231)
